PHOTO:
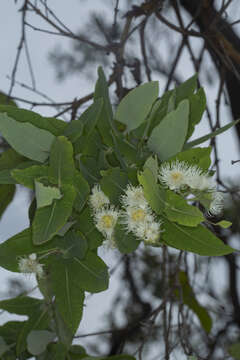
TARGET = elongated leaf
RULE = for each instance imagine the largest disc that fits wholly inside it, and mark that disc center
(196, 156)
(197, 107)
(210, 135)
(46, 194)
(69, 295)
(6, 175)
(5, 100)
(61, 162)
(198, 240)
(26, 139)
(27, 176)
(82, 189)
(37, 321)
(10, 330)
(9, 159)
(49, 220)
(105, 121)
(154, 194)
(167, 139)
(75, 245)
(6, 196)
(186, 89)
(113, 183)
(135, 106)
(55, 126)
(21, 245)
(126, 241)
(21, 305)
(178, 210)
(3, 346)
(38, 340)
(86, 225)
(190, 300)
(92, 273)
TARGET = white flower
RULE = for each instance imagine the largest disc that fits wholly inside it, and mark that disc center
(30, 265)
(149, 232)
(98, 199)
(135, 217)
(134, 197)
(216, 206)
(176, 175)
(201, 182)
(105, 220)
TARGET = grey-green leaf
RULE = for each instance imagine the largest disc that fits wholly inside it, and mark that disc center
(26, 139)
(37, 341)
(136, 105)
(210, 135)
(168, 138)
(198, 239)
(46, 194)
(49, 220)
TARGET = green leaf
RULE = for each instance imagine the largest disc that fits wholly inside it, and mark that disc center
(234, 350)
(6, 196)
(82, 189)
(178, 210)
(10, 330)
(113, 184)
(186, 89)
(210, 135)
(27, 176)
(62, 167)
(55, 126)
(3, 346)
(197, 156)
(9, 159)
(5, 100)
(75, 245)
(89, 167)
(198, 240)
(160, 109)
(92, 273)
(69, 295)
(197, 107)
(126, 242)
(154, 194)
(49, 220)
(105, 122)
(224, 224)
(6, 175)
(20, 245)
(46, 194)
(87, 121)
(167, 139)
(21, 305)
(187, 295)
(26, 139)
(38, 340)
(152, 164)
(135, 106)
(86, 225)
(37, 321)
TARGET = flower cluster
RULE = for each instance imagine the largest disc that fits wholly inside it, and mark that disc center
(138, 217)
(180, 176)
(105, 215)
(30, 265)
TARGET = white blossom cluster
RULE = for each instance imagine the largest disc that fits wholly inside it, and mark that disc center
(179, 175)
(138, 217)
(105, 215)
(29, 264)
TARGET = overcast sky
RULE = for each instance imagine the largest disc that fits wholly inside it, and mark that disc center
(71, 12)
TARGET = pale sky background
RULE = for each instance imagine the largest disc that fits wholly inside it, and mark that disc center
(72, 12)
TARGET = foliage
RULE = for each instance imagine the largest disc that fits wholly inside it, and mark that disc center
(62, 164)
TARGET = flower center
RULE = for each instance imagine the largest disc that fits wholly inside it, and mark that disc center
(108, 221)
(176, 176)
(138, 215)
